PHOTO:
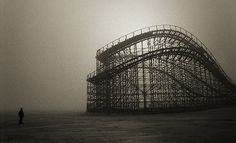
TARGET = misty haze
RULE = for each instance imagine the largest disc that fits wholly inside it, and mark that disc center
(49, 47)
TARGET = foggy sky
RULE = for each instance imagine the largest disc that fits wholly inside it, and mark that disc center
(48, 46)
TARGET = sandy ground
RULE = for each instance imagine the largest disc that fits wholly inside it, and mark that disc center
(216, 125)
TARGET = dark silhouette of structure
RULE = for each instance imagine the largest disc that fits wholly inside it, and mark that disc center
(21, 115)
(157, 69)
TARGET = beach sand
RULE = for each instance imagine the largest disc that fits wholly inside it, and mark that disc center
(215, 125)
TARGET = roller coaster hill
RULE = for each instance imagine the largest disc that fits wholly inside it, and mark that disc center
(157, 69)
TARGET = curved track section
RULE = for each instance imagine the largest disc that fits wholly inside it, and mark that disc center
(157, 69)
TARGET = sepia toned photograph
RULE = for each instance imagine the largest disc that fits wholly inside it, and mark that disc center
(117, 71)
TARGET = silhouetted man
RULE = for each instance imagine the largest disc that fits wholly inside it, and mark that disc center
(21, 115)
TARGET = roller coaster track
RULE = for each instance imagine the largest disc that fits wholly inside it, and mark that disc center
(157, 68)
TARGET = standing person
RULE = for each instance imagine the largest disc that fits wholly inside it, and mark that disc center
(21, 115)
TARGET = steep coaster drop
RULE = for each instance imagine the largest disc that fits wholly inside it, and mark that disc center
(157, 69)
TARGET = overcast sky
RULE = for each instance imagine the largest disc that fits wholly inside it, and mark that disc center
(48, 46)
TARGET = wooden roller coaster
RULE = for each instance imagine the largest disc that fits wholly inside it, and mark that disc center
(157, 69)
